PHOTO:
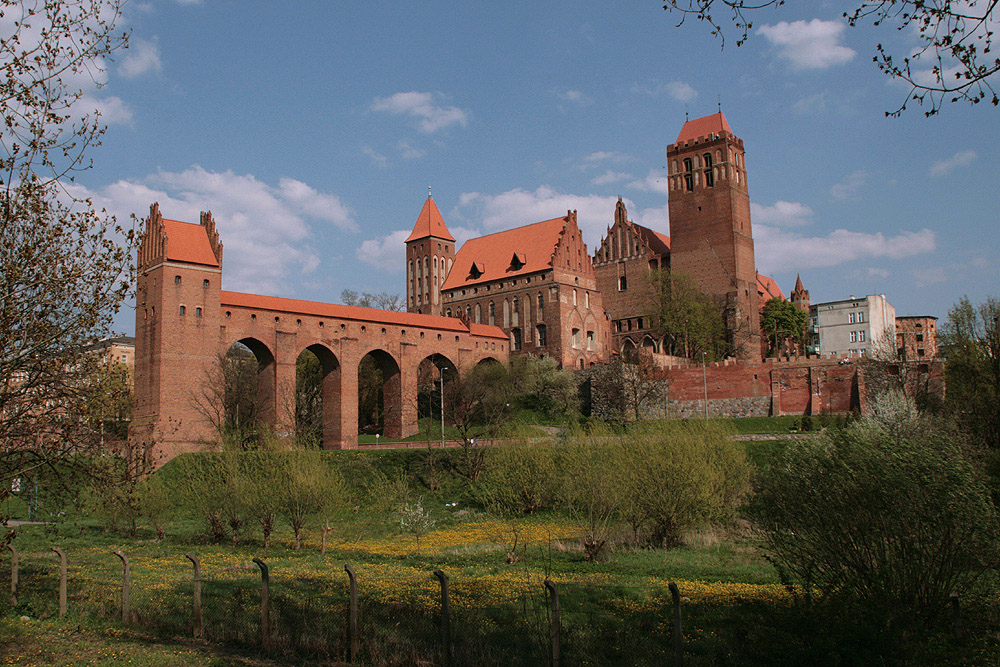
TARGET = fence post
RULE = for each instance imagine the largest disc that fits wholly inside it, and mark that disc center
(445, 617)
(199, 631)
(265, 603)
(554, 621)
(126, 614)
(352, 616)
(956, 617)
(678, 638)
(13, 575)
(62, 581)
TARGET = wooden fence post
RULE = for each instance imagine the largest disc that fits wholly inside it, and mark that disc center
(352, 616)
(445, 617)
(62, 581)
(554, 621)
(265, 603)
(13, 575)
(678, 638)
(126, 571)
(956, 617)
(199, 630)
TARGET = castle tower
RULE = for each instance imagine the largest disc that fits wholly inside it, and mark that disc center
(430, 252)
(177, 330)
(800, 295)
(710, 233)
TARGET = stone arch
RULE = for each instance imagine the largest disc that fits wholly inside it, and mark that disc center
(629, 351)
(487, 360)
(318, 413)
(649, 344)
(247, 391)
(434, 372)
(380, 395)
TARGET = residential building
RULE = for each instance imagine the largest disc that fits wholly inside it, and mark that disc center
(851, 326)
(916, 337)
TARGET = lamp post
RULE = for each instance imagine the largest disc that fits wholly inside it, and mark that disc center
(704, 380)
(441, 378)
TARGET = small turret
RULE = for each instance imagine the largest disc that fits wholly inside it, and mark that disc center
(800, 295)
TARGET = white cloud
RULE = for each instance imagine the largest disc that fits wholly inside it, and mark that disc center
(848, 188)
(655, 181)
(609, 177)
(113, 110)
(266, 229)
(813, 104)
(608, 156)
(432, 117)
(873, 272)
(678, 90)
(574, 96)
(408, 152)
(781, 214)
(142, 57)
(377, 158)
(948, 165)
(657, 219)
(811, 44)
(779, 250)
(387, 253)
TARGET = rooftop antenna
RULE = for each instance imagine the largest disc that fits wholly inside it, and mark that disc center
(429, 195)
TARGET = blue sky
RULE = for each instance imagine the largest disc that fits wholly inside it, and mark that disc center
(313, 129)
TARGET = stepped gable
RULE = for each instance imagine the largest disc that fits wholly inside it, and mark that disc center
(176, 241)
(657, 242)
(506, 254)
(702, 127)
(430, 223)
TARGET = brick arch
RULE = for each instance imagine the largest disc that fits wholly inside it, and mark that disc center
(393, 407)
(266, 376)
(332, 384)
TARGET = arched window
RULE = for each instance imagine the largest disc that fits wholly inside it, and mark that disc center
(479, 314)
(493, 313)
(622, 283)
(515, 338)
(709, 174)
(506, 313)
(574, 297)
(576, 339)
(540, 338)
(541, 305)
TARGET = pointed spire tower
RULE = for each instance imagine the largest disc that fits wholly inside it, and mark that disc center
(800, 295)
(430, 252)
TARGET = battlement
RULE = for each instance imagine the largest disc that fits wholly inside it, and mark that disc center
(712, 138)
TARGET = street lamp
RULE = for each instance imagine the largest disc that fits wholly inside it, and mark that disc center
(441, 379)
(704, 380)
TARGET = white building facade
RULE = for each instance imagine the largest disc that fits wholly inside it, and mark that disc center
(852, 326)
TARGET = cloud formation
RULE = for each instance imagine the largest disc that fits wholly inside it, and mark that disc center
(781, 214)
(575, 96)
(432, 117)
(811, 44)
(609, 177)
(141, 58)
(377, 158)
(265, 228)
(779, 250)
(848, 188)
(956, 161)
(680, 91)
(655, 181)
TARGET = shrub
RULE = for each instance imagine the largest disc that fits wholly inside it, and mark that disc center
(887, 512)
(519, 479)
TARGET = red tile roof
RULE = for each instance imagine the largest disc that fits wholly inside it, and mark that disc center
(188, 242)
(492, 254)
(659, 243)
(768, 289)
(357, 313)
(702, 127)
(430, 223)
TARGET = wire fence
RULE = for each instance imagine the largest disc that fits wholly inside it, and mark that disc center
(242, 603)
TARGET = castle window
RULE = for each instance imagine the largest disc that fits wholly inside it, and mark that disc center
(253, 317)
(229, 314)
(182, 310)
(479, 313)
(622, 283)
(448, 313)
(574, 297)
(515, 338)
(688, 182)
(298, 323)
(590, 341)
(177, 280)
(363, 328)
(493, 313)
(277, 319)
(197, 312)
(586, 299)
(383, 330)
(576, 339)
(421, 334)
(920, 338)
(709, 175)
(687, 164)
(204, 283)
(540, 335)
(515, 306)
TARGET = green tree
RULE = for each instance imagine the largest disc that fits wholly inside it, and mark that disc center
(689, 321)
(952, 61)
(888, 512)
(970, 340)
(782, 320)
(310, 490)
(65, 268)
(308, 401)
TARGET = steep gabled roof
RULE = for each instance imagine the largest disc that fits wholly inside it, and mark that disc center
(702, 127)
(188, 242)
(533, 244)
(430, 223)
(658, 243)
(768, 288)
(338, 311)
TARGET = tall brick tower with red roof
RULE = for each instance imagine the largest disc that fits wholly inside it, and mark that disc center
(710, 233)
(177, 327)
(800, 295)
(430, 252)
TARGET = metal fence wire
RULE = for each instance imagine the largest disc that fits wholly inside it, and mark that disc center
(229, 600)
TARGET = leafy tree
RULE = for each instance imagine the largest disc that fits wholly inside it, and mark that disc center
(310, 489)
(65, 268)
(308, 401)
(477, 402)
(626, 389)
(888, 512)
(970, 340)
(689, 320)
(108, 391)
(782, 321)
(952, 61)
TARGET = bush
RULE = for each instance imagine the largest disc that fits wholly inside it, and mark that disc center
(888, 511)
(519, 479)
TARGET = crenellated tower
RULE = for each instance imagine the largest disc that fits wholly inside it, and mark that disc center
(711, 238)
(430, 253)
